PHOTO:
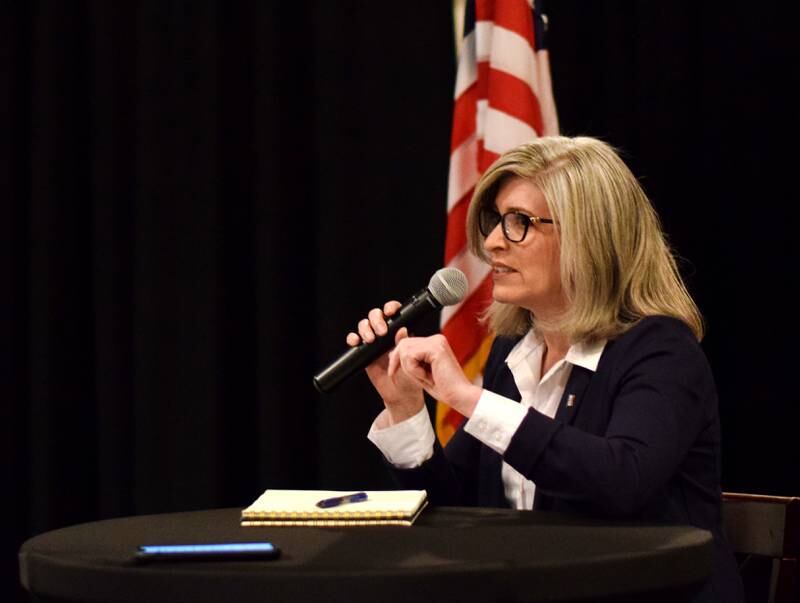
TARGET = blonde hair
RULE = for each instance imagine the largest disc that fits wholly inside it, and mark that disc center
(616, 267)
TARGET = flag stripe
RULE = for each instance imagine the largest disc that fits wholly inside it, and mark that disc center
(456, 243)
(504, 132)
(510, 53)
(486, 158)
(465, 111)
(463, 171)
(546, 101)
(512, 96)
(514, 16)
(467, 73)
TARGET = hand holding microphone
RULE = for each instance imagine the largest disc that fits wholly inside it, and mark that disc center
(447, 287)
(402, 395)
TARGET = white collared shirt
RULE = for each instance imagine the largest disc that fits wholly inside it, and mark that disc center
(496, 418)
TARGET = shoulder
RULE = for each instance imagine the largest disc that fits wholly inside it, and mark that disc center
(657, 331)
(661, 341)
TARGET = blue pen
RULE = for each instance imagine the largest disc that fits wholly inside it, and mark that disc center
(327, 503)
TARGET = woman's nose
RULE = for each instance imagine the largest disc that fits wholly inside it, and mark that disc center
(495, 239)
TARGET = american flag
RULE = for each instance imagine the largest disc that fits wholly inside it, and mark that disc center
(503, 98)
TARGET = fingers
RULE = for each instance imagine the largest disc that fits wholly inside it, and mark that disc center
(365, 331)
(400, 335)
(409, 355)
(396, 355)
(390, 307)
(429, 363)
(375, 325)
(377, 322)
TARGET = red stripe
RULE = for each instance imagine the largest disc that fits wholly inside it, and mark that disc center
(482, 80)
(517, 16)
(514, 15)
(515, 97)
(463, 330)
(457, 228)
(485, 159)
(464, 116)
(484, 10)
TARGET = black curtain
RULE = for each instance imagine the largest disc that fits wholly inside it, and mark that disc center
(200, 198)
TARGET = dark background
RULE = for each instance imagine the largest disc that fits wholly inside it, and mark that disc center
(199, 199)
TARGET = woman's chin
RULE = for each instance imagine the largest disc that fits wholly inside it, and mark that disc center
(503, 298)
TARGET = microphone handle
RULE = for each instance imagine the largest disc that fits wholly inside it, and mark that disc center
(358, 357)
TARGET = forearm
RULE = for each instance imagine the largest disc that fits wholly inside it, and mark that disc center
(617, 471)
(418, 461)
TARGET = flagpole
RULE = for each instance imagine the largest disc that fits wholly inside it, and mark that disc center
(459, 8)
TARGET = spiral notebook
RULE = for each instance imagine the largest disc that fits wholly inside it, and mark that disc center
(299, 508)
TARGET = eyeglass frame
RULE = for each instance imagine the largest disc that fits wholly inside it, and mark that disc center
(502, 221)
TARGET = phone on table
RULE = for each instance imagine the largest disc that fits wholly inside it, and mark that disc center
(223, 551)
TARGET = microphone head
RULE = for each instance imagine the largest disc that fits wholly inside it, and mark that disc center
(448, 286)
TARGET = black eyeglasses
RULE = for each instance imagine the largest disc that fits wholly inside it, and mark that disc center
(515, 224)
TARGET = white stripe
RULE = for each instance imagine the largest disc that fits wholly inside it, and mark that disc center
(504, 132)
(502, 48)
(467, 72)
(463, 171)
(546, 101)
(475, 270)
(509, 52)
(481, 106)
(483, 39)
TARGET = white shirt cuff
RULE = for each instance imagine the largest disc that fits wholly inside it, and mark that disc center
(407, 444)
(495, 420)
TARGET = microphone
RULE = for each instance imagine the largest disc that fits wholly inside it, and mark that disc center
(446, 288)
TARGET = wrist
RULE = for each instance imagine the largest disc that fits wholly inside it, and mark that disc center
(468, 399)
(402, 410)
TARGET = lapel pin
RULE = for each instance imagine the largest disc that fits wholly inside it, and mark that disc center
(571, 401)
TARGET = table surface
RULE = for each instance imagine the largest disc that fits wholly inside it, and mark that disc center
(451, 553)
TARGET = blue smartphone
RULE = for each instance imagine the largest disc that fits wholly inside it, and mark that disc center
(227, 551)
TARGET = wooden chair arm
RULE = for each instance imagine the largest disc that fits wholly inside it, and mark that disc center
(758, 524)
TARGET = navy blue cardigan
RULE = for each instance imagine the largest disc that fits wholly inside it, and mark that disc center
(641, 441)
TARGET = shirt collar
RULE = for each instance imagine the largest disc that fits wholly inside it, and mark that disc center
(586, 355)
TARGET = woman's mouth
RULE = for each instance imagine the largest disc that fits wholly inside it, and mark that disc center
(501, 269)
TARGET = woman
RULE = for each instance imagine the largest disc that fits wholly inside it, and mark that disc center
(597, 398)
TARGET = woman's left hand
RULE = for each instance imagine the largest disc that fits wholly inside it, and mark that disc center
(432, 364)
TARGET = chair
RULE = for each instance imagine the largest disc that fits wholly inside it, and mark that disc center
(766, 528)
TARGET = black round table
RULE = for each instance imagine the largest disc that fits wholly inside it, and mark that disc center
(450, 554)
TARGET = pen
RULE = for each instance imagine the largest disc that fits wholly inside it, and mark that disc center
(326, 503)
